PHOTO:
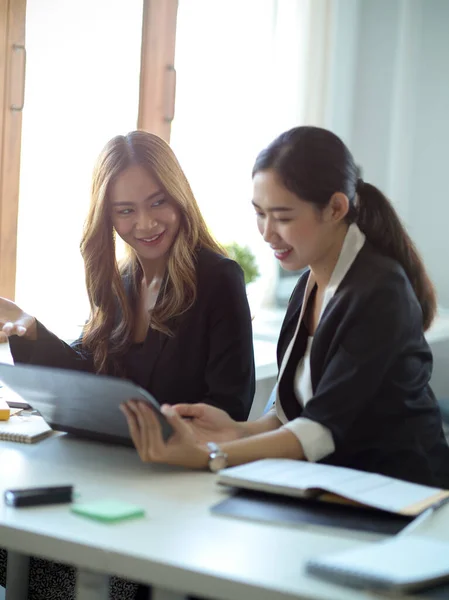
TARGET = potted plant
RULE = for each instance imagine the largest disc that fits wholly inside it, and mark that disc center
(246, 259)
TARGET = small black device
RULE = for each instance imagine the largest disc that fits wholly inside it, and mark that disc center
(38, 496)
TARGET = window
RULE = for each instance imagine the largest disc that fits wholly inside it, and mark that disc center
(98, 69)
(240, 82)
(82, 88)
(12, 76)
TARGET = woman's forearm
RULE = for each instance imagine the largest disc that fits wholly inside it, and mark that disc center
(266, 423)
(278, 443)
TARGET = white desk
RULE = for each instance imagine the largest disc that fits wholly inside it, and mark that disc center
(179, 547)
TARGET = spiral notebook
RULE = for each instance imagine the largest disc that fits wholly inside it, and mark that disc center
(401, 564)
(24, 428)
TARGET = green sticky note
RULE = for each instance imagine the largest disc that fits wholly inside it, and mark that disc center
(108, 511)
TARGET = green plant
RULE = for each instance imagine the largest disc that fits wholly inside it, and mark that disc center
(246, 259)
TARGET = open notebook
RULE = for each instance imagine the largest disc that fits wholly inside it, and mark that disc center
(307, 480)
(24, 428)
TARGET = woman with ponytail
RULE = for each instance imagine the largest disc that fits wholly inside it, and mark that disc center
(354, 366)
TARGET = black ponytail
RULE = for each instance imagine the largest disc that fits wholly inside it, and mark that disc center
(380, 223)
(314, 163)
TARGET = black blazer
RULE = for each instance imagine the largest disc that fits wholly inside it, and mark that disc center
(209, 359)
(370, 368)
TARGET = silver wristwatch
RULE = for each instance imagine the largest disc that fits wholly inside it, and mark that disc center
(217, 458)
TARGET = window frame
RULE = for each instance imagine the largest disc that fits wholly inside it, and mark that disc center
(156, 105)
(12, 78)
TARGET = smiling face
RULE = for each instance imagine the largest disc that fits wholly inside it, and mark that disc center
(142, 214)
(299, 234)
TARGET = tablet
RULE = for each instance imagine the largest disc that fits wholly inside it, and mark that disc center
(80, 403)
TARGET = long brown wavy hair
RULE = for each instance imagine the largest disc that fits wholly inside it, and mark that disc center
(109, 331)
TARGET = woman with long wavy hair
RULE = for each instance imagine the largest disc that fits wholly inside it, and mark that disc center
(172, 316)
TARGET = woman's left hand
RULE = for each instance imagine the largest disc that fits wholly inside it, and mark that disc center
(181, 449)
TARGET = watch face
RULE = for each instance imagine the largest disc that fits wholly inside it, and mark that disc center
(216, 463)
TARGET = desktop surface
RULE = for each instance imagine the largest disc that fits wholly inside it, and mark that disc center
(178, 545)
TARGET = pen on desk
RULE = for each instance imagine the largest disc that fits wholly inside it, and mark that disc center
(423, 516)
(18, 404)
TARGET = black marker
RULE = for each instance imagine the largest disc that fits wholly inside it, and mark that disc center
(39, 496)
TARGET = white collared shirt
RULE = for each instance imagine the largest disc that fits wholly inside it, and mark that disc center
(316, 440)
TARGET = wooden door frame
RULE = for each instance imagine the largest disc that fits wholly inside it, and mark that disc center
(157, 73)
(12, 82)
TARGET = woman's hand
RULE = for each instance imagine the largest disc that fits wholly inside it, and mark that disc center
(13, 321)
(210, 424)
(181, 449)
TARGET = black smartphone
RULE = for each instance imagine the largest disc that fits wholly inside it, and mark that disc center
(39, 495)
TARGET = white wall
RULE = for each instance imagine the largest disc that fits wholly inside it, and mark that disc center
(429, 190)
(388, 97)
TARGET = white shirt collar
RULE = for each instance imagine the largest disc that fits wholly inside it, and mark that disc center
(353, 243)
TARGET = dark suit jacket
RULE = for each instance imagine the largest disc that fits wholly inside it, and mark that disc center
(370, 368)
(209, 359)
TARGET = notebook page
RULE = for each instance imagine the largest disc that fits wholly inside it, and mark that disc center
(375, 490)
(19, 428)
